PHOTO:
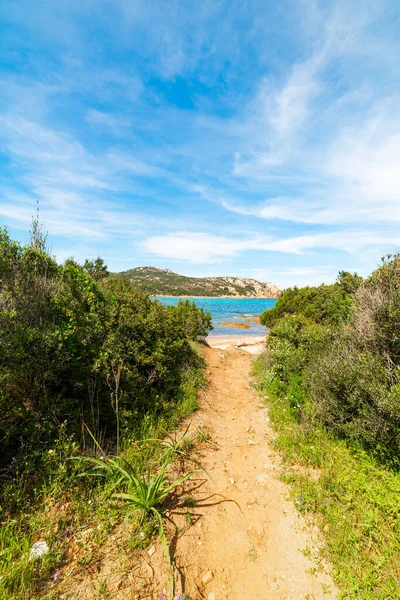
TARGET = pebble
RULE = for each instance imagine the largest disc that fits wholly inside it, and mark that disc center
(211, 596)
(207, 578)
(251, 443)
(151, 551)
(231, 480)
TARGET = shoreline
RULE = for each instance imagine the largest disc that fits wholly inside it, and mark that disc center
(250, 343)
(216, 297)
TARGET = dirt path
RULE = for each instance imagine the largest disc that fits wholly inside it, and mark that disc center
(243, 539)
(254, 544)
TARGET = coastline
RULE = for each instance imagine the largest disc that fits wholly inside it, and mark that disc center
(216, 297)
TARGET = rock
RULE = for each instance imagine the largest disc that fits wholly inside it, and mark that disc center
(211, 596)
(151, 551)
(207, 578)
(231, 480)
(38, 550)
(251, 442)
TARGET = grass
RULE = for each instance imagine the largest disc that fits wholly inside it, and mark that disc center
(74, 514)
(354, 500)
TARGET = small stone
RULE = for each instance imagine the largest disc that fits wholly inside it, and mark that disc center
(38, 550)
(211, 596)
(151, 551)
(251, 443)
(231, 480)
(207, 578)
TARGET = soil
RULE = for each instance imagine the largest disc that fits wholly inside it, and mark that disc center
(243, 538)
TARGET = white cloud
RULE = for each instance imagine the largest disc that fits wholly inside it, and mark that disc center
(200, 247)
(194, 247)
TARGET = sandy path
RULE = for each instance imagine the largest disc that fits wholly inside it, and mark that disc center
(243, 531)
(252, 544)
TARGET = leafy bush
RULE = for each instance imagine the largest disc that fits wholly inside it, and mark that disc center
(293, 342)
(324, 304)
(196, 321)
(345, 359)
(351, 392)
(77, 346)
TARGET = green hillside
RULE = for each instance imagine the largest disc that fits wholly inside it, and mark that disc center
(164, 282)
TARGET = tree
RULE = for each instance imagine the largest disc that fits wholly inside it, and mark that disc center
(96, 268)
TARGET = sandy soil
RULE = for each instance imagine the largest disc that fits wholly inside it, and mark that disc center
(223, 342)
(243, 539)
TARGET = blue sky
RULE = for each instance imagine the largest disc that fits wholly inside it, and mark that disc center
(251, 138)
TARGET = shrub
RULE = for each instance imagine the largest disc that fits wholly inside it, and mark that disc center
(352, 392)
(329, 304)
(377, 310)
(348, 367)
(77, 346)
(195, 321)
(293, 342)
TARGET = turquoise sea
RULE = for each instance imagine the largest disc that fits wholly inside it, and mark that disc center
(232, 310)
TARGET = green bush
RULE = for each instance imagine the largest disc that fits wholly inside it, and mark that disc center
(328, 304)
(196, 321)
(351, 392)
(79, 347)
(345, 362)
(294, 341)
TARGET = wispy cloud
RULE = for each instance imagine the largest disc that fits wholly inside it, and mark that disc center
(211, 133)
(200, 247)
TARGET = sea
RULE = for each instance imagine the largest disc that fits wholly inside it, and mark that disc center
(234, 310)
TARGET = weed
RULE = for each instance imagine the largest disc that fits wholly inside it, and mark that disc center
(188, 501)
(204, 436)
(253, 554)
(145, 493)
(102, 588)
(189, 518)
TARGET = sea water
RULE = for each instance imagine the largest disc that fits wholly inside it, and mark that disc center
(234, 310)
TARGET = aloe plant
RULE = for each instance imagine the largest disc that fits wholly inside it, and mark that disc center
(145, 493)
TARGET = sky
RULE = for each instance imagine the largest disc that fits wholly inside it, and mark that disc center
(251, 138)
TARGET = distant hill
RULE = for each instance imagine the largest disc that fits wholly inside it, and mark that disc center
(163, 282)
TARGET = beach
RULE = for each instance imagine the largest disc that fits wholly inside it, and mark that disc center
(251, 343)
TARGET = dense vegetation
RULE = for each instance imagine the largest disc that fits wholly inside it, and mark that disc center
(164, 282)
(333, 381)
(323, 304)
(83, 356)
